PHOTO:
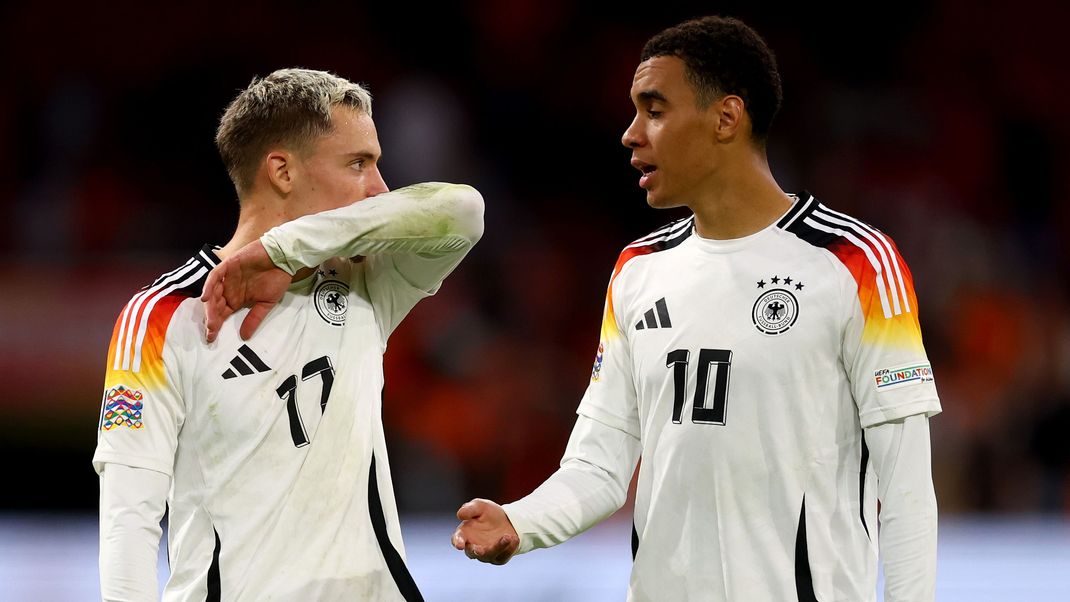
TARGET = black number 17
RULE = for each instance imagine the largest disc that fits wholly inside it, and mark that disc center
(721, 359)
(320, 366)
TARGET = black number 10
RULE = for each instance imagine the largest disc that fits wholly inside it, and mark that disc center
(288, 390)
(700, 413)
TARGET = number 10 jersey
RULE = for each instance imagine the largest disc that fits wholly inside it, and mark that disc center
(748, 369)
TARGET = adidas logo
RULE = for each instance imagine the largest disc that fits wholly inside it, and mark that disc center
(242, 367)
(660, 320)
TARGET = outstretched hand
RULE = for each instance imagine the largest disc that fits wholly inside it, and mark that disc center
(485, 533)
(248, 278)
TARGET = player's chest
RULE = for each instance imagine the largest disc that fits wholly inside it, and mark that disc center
(760, 316)
(278, 384)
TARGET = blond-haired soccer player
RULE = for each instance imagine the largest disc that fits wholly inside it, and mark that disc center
(762, 356)
(266, 450)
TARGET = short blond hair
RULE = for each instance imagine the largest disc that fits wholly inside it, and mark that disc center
(289, 108)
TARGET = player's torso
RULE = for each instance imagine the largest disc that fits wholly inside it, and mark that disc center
(732, 346)
(741, 393)
(254, 407)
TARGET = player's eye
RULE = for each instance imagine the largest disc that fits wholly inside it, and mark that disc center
(651, 113)
(358, 164)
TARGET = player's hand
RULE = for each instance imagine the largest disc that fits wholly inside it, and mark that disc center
(247, 278)
(485, 532)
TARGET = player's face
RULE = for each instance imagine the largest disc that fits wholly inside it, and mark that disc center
(342, 167)
(672, 139)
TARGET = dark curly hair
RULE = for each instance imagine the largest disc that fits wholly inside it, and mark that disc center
(723, 56)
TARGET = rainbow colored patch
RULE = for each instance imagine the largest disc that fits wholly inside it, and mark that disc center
(893, 378)
(122, 407)
(596, 373)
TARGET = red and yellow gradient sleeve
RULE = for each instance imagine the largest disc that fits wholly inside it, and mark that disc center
(611, 396)
(141, 410)
(890, 374)
(901, 329)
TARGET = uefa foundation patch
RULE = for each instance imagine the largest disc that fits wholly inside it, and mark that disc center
(894, 378)
(122, 407)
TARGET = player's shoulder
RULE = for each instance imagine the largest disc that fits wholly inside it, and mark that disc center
(868, 254)
(148, 314)
(668, 236)
(818, 225)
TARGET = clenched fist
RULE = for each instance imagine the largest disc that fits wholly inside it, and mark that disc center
(485, 532)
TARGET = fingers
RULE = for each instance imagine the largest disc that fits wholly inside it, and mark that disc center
(458, 539)
(234, 291)
(253, 319)
(499, 553)
(472, 510)
(211, 283)
(214, 306)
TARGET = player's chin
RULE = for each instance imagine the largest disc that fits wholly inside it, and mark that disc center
(660, 201)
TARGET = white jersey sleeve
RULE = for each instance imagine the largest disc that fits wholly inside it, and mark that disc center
(142, 409)
(908, 516)
(412, 238)
(591, 484)
(890, 374)
(611, 395)
(132, 502)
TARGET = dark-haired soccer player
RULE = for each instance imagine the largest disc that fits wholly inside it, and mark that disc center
(762, 356)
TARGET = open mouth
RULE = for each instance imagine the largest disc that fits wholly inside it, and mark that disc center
(647, 169)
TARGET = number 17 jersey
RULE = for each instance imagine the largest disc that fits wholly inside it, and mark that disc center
(748, 369)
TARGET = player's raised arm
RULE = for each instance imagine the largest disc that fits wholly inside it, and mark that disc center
(431, 219)
(426, 229)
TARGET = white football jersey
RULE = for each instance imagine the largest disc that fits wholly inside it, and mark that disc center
(280, 481)
(748, 369)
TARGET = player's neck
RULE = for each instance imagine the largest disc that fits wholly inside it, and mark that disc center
(255, 218)
(744, 201)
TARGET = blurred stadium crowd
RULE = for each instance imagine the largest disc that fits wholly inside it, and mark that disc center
(945, 125)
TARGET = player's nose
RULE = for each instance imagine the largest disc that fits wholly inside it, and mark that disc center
(633, 136)
(376, 184)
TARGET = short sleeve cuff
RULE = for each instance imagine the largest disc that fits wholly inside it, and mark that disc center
(929, 407)
(608, 418)
(102, 458)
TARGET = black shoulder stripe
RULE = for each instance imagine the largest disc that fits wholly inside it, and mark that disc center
(194, 288)
(205, 257)
(804, 204)
(679, 231)
(668, 229)
(796, 223)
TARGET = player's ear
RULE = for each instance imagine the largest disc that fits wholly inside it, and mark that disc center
(281, 170)
(729, 117)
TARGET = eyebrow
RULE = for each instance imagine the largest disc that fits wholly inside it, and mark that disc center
(363, 155)
(651, 96)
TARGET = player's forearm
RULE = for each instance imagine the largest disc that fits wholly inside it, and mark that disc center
(427, 219)
(908, 516)
(132, 502)
(591, 484)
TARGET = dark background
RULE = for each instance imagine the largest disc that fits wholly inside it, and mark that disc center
(945, 124)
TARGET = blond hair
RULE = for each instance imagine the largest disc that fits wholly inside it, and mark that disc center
(289, 108)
